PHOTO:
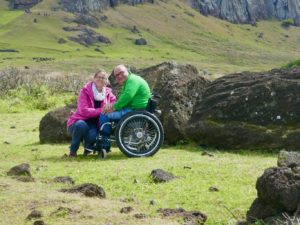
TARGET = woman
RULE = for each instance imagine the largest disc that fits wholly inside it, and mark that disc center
(83, 124)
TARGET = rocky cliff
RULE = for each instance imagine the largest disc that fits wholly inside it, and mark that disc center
(83, 6)
(22, 4)
(249, 11)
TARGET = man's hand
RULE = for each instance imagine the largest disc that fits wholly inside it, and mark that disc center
(107, 108)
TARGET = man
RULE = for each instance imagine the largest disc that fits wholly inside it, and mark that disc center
(134, 95)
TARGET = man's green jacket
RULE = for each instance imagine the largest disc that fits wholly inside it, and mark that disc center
(134, 93)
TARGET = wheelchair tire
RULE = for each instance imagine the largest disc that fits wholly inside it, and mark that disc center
(139, 134)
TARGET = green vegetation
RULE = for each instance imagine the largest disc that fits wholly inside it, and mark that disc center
(173, 30)
(295, 63)
(287, 23)
(124, 179)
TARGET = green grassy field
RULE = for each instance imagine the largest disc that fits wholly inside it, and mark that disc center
(173, 30)
(234, 173)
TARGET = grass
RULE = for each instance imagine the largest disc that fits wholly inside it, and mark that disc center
(173, 30)
(234, 173)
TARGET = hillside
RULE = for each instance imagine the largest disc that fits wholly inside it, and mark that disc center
(173, 30)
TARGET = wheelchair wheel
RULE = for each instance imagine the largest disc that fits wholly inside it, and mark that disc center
(139, 133)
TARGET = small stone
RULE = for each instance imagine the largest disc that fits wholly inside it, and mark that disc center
(88, 190)
(140, 216)
(187, 167)
(39, 222)
(20, 170)
(160, 176)
(213, 189)
(6, 142)
(64, 179)
(126, 210)
(13, 127)
(152, 202)
(34, 215)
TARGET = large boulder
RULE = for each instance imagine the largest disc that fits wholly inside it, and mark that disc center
(278, 191)
(249, 110)
(53, 126)
(179, 86)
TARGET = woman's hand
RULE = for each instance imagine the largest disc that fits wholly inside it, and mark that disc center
(107, 108)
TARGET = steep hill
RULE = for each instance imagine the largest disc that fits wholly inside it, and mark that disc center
(172, 29)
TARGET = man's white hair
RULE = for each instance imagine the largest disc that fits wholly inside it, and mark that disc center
(120, 68)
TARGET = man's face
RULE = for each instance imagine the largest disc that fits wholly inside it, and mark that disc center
(120, 76)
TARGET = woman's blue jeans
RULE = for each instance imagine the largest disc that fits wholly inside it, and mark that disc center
(82, 130)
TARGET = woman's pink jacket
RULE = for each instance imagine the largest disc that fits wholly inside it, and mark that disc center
(85, 104)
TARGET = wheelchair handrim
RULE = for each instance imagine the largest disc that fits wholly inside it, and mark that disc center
(156, 138)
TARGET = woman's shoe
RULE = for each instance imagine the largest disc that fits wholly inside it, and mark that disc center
(102, 153)
(72, 155)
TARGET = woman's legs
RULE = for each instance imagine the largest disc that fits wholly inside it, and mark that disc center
(78, 130)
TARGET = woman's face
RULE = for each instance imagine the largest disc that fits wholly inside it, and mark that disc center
(100, 80)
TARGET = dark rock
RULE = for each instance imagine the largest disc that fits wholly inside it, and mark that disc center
(87, 20)
(53, 126)
(260, 35)
(126, 210)
(152, 202)
(8, 50)
(135, 30)
(189, 217)
(213, 189)
(88, 190)
(64, 179)
(278, 191)
(140, 215)
(20, 170)
(248, 110)
(22, 4)
(35, 20)
(160, 176)
(39, 222)
(88, 37)
(26, 67)
(61, 41)
(140, 41)
(180, 86)
(84, 7)
(34, 215)
(13, 127)
(288, 159)
(6, 142)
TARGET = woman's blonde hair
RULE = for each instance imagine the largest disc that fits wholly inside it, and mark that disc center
(105, 73)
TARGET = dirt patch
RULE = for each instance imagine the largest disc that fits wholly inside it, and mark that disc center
(64, 211)
(64, 179)
(34, 215)
(20, 170)
(189, 217)
(24, 179)
(88, 190)
(126, 210)
(140, 215)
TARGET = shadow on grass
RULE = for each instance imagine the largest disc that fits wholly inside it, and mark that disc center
(193, 147)
(90, 158)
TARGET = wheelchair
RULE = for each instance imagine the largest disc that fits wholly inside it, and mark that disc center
(137, 134)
